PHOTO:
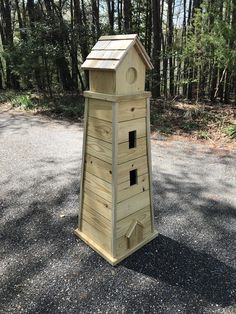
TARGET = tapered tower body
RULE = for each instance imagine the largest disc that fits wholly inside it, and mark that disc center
(116, 212)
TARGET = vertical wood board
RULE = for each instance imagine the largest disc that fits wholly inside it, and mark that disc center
(83, 160)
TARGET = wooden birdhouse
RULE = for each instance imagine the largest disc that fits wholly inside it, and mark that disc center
(116, 214)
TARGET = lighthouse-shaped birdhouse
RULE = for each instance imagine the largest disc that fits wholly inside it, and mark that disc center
(116, 213)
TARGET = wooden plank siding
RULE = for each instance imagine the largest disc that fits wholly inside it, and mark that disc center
(98, 186)
(125, 191)
(138, 125)
(100, 149)
(96, 235)
(123, 169)
(122, 243)
(131, 109)
(100, 109)
(100, 129)
(97, 203)
(142, 215)
(126, 154)
(128, 110)
(98, 168)
(132, 204)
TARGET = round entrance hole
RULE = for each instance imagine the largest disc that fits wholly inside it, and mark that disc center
(131, 75)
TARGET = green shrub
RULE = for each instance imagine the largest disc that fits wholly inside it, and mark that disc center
(231, 131)
(203, 135)
(23, 101)
(166, 130)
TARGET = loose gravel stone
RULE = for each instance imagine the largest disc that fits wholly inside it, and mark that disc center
(44, 268)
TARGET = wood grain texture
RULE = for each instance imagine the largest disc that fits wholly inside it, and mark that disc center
(138, 125)
(132, 204)
(116, 216)
(121, 46)
(94, 218)
(106, 254)
(106, 54)
(123, 169)
(98, 168)
(122, 243)
(101, 45)
(126, 191)
(96, 235)
(102, 81)
(134, 234)
(126, 154)
(131, 60)
(132, 109)
(100, 129)
(98, 186)
(142, 215)
(98, 203)
(100, 64)
(115, 109)
(116, 98)
(86, 105)
(149, 162)
(100, 109)
(99, 148)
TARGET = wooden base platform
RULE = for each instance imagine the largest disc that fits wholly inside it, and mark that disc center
(109, 258)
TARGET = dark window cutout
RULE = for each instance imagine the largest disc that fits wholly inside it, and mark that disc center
(133, 177)
(132, 139)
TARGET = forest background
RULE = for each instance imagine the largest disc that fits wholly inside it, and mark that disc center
(192, 44)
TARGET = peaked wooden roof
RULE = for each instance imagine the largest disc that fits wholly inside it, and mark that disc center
(109, 52)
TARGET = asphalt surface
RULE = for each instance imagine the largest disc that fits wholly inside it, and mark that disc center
(44, 268)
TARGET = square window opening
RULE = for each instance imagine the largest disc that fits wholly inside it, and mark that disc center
(132, 139)
(133, 177)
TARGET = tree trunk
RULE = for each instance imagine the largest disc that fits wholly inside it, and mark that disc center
(12, 80)
(96, 22)
(111, 10)
(156, 24)
(119, 15)
(73, 49)
(127, 17)
(81, 25)
(170, 46)
(195, 5)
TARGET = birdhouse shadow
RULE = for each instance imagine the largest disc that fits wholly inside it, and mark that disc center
(178, 265)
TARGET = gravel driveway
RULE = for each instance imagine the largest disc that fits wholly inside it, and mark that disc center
(44, 268)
